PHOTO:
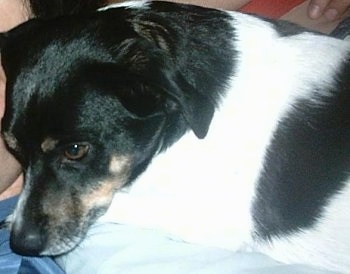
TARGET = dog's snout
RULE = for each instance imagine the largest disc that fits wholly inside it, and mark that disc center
(28, 242)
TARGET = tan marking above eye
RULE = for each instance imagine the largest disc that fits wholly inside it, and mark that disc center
(48, 144)
(11, 141)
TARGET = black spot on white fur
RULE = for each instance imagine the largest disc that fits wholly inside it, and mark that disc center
(307, 162)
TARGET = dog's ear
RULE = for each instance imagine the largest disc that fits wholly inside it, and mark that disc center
(153, 28)
(197, 109)
(154, 91)
(170, 91)
(151, 57)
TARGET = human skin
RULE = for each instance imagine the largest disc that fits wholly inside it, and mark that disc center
(329, 9)
(13, 12)
(322, 23)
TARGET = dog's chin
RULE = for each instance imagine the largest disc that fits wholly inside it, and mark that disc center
(61, 248)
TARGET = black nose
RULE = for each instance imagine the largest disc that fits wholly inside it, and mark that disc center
(28, 241)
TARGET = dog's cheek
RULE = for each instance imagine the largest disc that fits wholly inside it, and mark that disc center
(68, 217)
(97, 200)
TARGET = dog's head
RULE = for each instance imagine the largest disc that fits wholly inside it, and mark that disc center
(89, 102)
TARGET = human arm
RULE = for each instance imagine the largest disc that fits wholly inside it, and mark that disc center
(330, 9)
(13, 12)
(300, 15)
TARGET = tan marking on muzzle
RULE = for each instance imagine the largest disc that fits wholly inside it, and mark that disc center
(98, 197)
(48, 144)
(119, 169)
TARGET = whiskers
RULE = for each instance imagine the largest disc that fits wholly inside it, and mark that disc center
(63, 245)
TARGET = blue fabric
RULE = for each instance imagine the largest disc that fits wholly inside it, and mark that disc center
(11, 263)
(113, 248)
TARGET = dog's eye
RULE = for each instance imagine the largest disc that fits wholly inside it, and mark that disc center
(76, 152)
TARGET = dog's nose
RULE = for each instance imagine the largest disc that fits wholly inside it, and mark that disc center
(27, 241)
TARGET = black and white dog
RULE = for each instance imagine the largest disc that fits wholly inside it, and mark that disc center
(221, 128)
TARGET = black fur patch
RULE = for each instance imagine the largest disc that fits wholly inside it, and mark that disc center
(307, 163)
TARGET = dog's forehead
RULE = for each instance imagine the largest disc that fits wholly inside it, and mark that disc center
(47, 64)
(62, 42)
(41, 85)
(50, 69)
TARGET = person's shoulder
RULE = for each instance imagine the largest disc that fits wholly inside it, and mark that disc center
(7, 206)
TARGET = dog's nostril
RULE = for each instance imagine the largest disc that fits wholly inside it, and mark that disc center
(27, 243)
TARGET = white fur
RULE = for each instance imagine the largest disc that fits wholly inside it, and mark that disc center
(202, 190)
(16, 218)
(127, 4)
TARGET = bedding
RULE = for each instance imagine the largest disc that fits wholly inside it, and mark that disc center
(128, 249)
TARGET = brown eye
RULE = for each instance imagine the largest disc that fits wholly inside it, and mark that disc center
(76, 152)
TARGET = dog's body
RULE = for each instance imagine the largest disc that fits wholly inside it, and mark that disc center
(269, 100)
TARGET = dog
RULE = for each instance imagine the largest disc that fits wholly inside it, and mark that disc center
(239, 126)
